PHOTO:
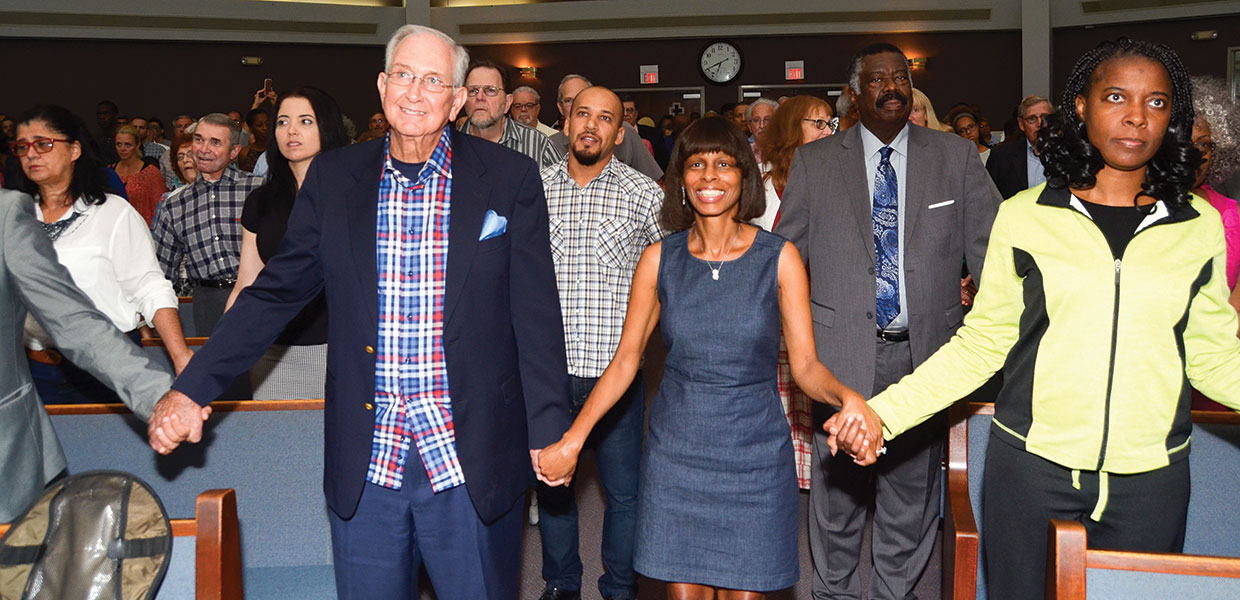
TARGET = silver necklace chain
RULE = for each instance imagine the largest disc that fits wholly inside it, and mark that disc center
(714, 269)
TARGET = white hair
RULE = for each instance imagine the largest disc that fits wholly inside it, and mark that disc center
(760, 102)
(559, 94)
(459, 53)
(526, 88)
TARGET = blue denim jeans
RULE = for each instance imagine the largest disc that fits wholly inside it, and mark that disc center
(617, 444)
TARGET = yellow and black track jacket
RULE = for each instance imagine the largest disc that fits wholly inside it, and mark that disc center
(1097, 353)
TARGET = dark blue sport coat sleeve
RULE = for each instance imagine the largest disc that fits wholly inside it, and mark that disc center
(537, 322)
(292, 278)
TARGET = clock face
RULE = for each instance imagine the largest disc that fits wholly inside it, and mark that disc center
(720, 62)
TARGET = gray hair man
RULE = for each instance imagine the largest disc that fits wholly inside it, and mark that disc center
(757, 118)
(444, 368)
(201, 221)
(876, 281)
(629, 149)
(1015, 166)
(526, 106)
(486, 86)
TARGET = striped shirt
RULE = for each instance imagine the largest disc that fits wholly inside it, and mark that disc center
(202, 221)
(598, 233)
(527, 141)
(411, 374)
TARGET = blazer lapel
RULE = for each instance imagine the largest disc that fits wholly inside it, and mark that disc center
(362, 208)
(852, 165)
(918, 167)
(470, 199)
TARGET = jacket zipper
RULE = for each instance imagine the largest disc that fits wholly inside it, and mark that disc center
(1106, 415)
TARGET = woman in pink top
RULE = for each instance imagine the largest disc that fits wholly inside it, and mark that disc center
(1215, 135)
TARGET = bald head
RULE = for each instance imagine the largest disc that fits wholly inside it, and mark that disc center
(594, 126)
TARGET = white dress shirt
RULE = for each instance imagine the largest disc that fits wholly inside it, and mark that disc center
(899, 162)
(110, 255)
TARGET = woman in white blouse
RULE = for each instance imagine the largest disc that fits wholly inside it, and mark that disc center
(103, 242)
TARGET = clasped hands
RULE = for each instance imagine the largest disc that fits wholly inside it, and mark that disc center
(175, 419)
(857, 430)
(556, 464)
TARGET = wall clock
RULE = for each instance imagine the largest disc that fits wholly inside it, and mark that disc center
(720, 62)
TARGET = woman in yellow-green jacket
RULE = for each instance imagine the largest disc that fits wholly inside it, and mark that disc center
(1103, 295)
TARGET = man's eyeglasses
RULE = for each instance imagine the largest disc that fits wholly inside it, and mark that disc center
(490, 91)
(760, 120)
(821, 124)
(1034, 119)
(525, 106)
(43, 146)
(430, 83)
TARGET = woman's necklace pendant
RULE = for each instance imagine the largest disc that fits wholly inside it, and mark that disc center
(714, 274)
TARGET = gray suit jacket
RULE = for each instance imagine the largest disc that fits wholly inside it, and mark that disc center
(826, 211)
(30, 278)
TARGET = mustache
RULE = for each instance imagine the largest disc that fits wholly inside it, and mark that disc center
(892, 95)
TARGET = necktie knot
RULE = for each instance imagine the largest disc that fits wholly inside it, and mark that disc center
(886, 151)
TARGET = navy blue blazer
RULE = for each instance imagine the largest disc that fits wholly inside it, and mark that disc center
(503, 335)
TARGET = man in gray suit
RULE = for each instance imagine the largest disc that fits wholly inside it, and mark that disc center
(883, 214)
(31, 279)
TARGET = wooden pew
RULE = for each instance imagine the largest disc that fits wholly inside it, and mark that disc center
(1075, 572)
(1212, 528)
(961, 552)
(216, 566)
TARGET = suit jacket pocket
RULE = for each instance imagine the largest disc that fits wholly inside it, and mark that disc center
(510, 388)
(21, 446)
(822, 315)
(495, 244)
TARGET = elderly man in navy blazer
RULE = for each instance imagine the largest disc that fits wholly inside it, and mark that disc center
(445, 347)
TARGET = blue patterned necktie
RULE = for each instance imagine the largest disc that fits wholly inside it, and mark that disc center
(886, 241)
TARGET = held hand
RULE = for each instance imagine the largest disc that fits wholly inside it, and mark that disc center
(176, 419)
(968, 289)
(857, 429)
(558, 463)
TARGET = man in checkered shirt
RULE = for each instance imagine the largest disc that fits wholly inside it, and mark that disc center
(603, 215)
(202, 221)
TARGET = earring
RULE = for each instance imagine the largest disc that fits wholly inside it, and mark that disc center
(683, 202)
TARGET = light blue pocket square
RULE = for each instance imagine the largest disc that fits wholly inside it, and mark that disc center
(493, 225)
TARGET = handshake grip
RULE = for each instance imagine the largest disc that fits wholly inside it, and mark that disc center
(858, 431)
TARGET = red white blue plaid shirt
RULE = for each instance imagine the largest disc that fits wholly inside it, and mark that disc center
(411, 375)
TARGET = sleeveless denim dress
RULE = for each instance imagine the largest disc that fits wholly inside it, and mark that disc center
(718, 497)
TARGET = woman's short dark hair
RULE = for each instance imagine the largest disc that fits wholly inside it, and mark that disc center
(88, 183)
(1072, 161)
(710, 134)
(281, 186)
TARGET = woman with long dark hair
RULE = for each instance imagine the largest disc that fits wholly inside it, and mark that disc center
(1104, 294)
(717, 509)
(307, 122)
(103, 242)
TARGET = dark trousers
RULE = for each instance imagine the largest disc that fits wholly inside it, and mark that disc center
(617, 443)
(1022, 492)
(67, 383)
(378, 553)
(905, 487)
(208, 308)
